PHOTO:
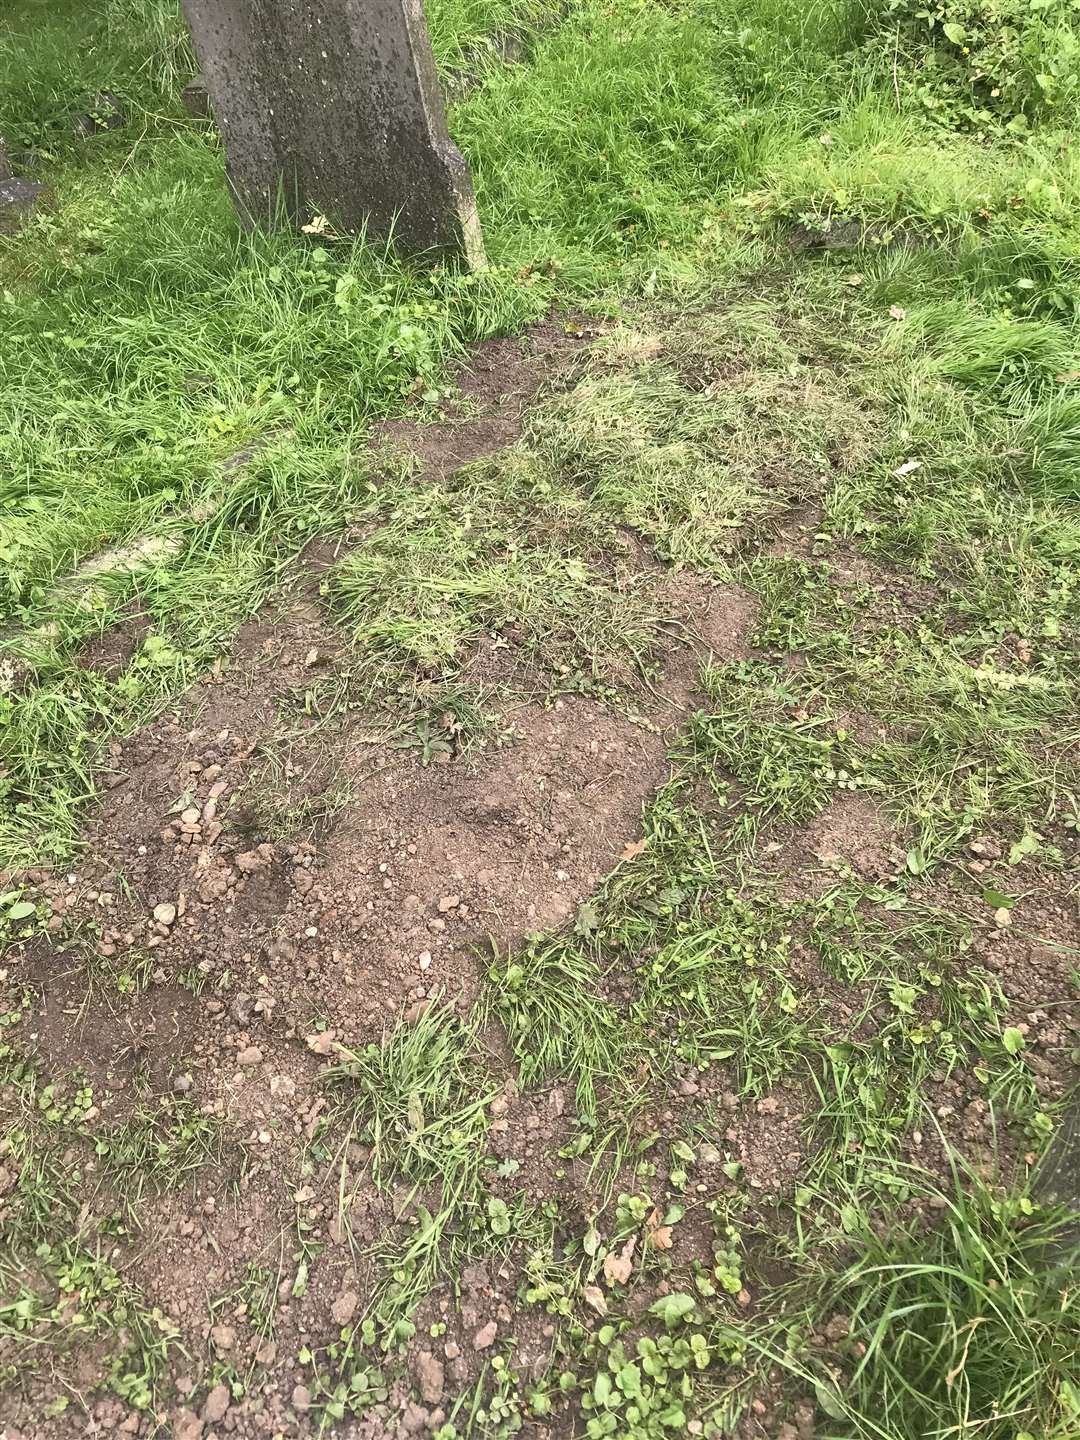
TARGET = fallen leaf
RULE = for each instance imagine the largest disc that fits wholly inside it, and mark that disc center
(826, 140)
(660, 1238)
(1067, 376)
(635, 848)
(594, 1296)
(854, 280)
(617, 1268)
(1013, 1039)
(897, 312)
(322, 1042)
(908, 468)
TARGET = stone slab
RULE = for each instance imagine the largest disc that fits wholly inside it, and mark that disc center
(333, 107)
(1057, 1180)
(18, 201)
(196, 99)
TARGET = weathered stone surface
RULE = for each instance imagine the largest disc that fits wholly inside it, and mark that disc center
(196, 99)
(18, 201)
(105, 112)
(333, 107)
(1057, 1180)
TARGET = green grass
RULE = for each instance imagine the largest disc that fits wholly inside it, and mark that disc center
(150, 340)
(843, 275)
(959, 1321)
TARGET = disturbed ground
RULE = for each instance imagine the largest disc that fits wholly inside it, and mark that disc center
(576, 871)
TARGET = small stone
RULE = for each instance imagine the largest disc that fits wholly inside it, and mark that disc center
(192, 815)
(424, 959)
(266, 1353)
(322, 1042)
(430, 1377)
(186, 1424)
(449, 902)
(301, 1397)
(344, 1307)
(223, 1336)
(165, 914)
(415, 1420)
(251, 860)
(485, 1336)
(217, 1404)
(250, 1055)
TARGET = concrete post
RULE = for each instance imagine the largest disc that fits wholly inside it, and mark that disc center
(333, 107)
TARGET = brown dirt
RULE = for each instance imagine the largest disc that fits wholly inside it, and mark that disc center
(263, 884)
(310, 883)
(850, 838)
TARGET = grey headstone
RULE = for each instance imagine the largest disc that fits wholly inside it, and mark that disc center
(196, 99)
(1057, 1179)
(18, 201)
(333, 107)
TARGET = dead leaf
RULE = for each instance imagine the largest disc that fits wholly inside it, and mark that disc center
(854, 280)
(1067, 376)
(617, 1268)
(635, 848)
(897, 312)
(908, 468)
(657, 1236)
(594, 1296)
(826, 140)
(322, 1042)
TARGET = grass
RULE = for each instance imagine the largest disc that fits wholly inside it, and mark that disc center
(839, 370)
(131, 380)
(960, 1321)
(72, 1193)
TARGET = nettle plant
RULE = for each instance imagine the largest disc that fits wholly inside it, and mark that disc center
(994, 61)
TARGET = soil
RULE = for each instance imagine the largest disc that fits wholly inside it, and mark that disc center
(279, 887)
(272, 930)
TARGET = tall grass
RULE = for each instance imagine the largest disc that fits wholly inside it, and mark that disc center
(643, 148)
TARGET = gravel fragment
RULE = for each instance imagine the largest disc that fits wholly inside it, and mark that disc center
(344, 1307)
(217, 1404)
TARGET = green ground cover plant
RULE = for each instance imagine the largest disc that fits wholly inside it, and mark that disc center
(833, 251)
